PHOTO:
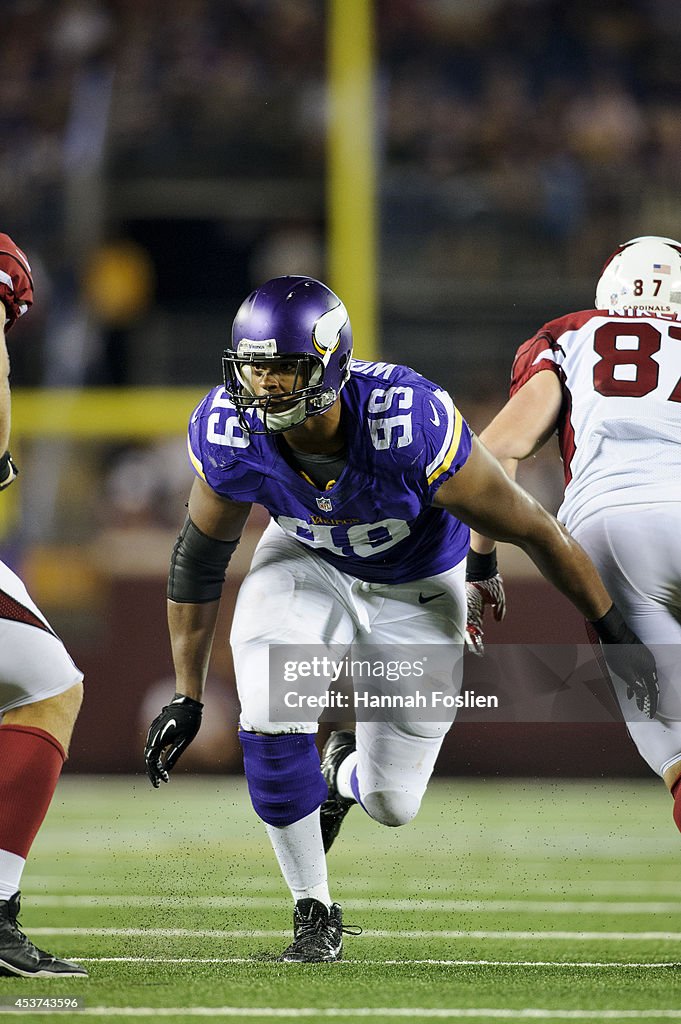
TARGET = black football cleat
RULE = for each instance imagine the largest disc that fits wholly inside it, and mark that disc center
(317, 934)
(19, 957)
(335, 807)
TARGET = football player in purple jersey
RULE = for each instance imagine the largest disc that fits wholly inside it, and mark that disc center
(372, 479)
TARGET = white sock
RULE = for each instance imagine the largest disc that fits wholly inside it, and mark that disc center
(11, 867)
(313, 892)
(300, 852)
(343, 775)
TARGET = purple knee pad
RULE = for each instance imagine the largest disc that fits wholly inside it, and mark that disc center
(354, 786)
(284, 779)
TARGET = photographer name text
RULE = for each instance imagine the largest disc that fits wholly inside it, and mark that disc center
(360, 700)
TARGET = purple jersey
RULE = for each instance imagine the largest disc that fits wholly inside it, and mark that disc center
(404, 437)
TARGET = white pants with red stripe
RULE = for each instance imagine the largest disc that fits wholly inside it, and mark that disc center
(34, 663)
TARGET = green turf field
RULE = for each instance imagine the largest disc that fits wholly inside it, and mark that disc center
(502, 901)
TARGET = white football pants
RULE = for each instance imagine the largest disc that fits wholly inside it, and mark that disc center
(34, 664)
(292, 596)
(637, 551)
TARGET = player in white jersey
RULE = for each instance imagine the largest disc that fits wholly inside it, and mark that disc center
(608, 380)
(40, 689)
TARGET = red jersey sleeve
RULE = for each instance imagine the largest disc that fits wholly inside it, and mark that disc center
(541, 352)
(16, 285)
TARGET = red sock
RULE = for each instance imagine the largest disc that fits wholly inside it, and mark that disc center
(676, 793)
(30, 764)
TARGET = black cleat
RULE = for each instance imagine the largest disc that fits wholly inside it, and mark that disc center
(317, 934)
(335, 807)
(18, 955)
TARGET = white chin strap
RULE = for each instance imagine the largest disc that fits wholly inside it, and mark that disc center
(283, 420)
(279, 420)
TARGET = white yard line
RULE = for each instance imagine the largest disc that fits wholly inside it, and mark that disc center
(493, 906)
(574, 888)
(84, 843)
(262, 933)
(583, 964)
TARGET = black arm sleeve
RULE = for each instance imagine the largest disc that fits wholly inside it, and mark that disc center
(198, 565)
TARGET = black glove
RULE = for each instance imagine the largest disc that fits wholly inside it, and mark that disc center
(484, 589)
(175, 727)
(629, 659)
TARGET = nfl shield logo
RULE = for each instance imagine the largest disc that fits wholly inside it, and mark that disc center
(324, 504)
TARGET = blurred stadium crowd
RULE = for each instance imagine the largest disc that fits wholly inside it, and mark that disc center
(160, 157)
(517, 141)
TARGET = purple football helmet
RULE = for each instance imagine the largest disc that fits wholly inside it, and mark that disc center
(300, 327)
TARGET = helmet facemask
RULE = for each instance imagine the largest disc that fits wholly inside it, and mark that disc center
(276, 412)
